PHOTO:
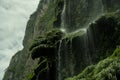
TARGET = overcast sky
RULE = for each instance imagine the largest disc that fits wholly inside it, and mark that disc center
(14, 15)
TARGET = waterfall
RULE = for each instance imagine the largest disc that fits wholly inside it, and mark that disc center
(59, 61)
(87, 48)
(74, 55)
(63, 16)
(71, 58)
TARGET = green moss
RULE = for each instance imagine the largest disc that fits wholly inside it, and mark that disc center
(40, 70)
(107, 69)
(45, 45)
(29, 76)
(42, 50)
(42, 67)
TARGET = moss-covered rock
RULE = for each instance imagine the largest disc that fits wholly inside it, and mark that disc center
(45, 45)
(42, 70)
(44, 48)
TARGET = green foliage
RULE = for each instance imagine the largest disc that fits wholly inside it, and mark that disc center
(107, 69)
(45, 45)
(116, 52)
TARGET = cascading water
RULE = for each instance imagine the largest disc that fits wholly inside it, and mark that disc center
(72, 58)
(87, 49)
(72, 52)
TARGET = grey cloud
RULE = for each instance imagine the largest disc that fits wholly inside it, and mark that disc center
(13, 18)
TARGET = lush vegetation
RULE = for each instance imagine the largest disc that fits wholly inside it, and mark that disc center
(107, 69)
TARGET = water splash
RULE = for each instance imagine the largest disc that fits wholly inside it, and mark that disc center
(63, 30)
(82, 30)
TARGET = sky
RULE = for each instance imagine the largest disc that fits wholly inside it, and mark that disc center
(14, 15)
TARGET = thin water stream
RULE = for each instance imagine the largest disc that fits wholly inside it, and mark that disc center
(59, 61)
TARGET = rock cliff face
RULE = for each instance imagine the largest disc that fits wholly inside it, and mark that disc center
(91, 29)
